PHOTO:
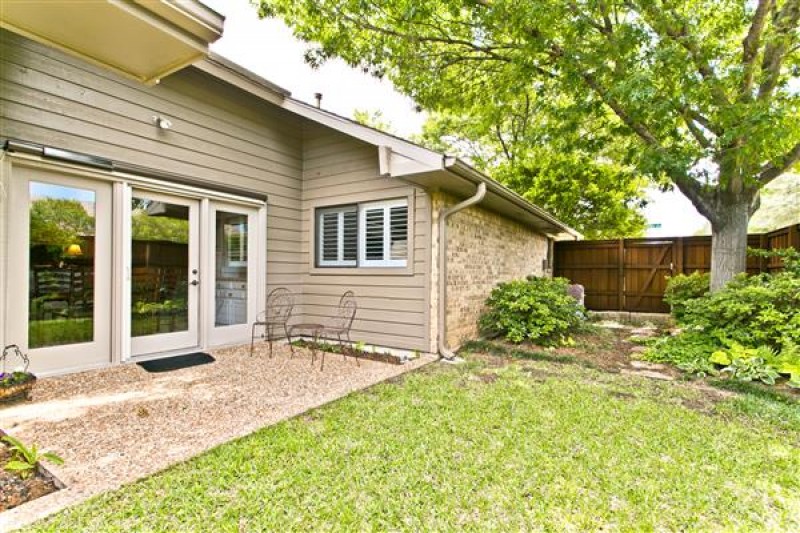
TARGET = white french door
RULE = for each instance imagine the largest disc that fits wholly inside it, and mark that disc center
(59, 264)
(163, 272)
(233, 270)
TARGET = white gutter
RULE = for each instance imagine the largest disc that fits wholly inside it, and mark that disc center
(444, 351)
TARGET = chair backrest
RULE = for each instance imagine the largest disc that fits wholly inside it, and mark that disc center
(345, 312)
(280, 303)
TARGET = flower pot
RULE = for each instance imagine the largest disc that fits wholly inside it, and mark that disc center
(17, 391)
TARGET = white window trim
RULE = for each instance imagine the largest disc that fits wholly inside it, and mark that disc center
(339, 261)
(386, 206)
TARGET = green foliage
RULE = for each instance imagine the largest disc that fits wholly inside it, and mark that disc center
(763, 363)
(753, 311)
(373, 119)
(750, 328)
(689, 351)
(9, 379)
(156, 228)
(699, 94)
(596, 196)
(25, 459)
(682, 288)
(59, 222)
(538, 310)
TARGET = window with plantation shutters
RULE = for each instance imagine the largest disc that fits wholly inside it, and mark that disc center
(365, 235)
(337, 236)
(383, 234)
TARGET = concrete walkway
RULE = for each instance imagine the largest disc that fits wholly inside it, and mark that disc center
(117, 425)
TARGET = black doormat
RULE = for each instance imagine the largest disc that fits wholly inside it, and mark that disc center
(177, 362)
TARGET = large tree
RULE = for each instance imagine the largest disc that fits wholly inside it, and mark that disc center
(701, 92)
(572, 176)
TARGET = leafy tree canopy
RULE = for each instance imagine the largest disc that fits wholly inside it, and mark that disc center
(373, 119)
(523, 147)
(59, 222)
(703, 93)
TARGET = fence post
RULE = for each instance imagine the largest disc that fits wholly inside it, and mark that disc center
(677, 255)
(621, 275)
(794, 236)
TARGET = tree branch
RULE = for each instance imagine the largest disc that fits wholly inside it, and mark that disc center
(771, 171)
(784, 22)
(681, 36)
(696, 132)
(750, 47)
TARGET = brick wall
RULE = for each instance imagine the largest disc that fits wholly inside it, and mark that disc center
(483, 249)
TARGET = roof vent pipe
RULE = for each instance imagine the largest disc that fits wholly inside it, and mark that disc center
(318, 98)
(444, 351)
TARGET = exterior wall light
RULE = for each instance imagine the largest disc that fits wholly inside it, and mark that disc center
(162, 122)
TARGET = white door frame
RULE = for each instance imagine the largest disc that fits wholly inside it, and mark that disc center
(148, 345)
(65, 357)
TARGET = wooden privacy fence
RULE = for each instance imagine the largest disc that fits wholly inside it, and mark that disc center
(631, 274)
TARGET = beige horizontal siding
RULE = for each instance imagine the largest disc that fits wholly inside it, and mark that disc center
(219, 135)
(393, 309)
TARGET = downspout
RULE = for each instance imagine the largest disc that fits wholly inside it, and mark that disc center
(444, 351)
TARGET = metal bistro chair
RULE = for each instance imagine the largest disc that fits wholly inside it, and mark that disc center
(339, 325)
(280, 304)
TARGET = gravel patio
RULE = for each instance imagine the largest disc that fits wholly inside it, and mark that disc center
(116, 425)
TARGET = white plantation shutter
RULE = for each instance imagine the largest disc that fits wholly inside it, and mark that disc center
(384, 234)
(337, 236)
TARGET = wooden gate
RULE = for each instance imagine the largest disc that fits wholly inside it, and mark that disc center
(631, 274)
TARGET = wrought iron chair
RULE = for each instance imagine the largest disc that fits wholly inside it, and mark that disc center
(338, 327)
(280, 304)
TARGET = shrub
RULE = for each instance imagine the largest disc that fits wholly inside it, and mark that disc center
(534, 309)
(751, 327)
(682, 288)
(689, 351)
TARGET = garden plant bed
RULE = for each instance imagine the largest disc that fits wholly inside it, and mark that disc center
(351, 351)
(15, 491)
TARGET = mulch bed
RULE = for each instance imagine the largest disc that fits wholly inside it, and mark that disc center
(15, 491)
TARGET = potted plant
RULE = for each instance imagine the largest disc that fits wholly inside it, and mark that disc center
(17, 383)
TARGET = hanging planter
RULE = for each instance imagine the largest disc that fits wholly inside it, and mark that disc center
(15, 384)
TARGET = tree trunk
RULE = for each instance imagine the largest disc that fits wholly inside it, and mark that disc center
(729, 241)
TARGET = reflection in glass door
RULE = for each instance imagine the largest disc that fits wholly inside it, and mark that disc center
(164, 274)
(65, 232)
(234, 273)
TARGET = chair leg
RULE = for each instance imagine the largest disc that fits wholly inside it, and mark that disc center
(252, 339)
(269, 339)
(350, 342)
(341, 347)
(288, 338)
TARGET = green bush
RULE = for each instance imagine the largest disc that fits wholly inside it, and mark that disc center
(535, 309)
(750, 328)
(689, 351)
(682, 288)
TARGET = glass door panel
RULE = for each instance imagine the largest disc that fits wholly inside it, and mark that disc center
(230, 283)
(62, 226)
(64, 279)
(234, 273)
(163, 273)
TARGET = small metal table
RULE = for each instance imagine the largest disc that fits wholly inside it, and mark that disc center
(315, 330)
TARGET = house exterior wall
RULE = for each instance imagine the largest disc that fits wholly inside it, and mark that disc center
(393, 302)
(483, 249)
(220, 135)
(223, 135)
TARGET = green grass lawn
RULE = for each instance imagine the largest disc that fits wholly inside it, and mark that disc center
(493, 444)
